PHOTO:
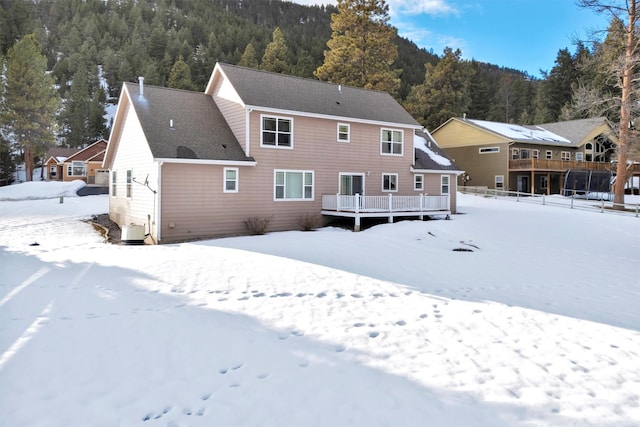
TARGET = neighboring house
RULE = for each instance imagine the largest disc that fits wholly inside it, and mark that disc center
(84, 164)
(532, 159)
(189, 165)
(55, 158)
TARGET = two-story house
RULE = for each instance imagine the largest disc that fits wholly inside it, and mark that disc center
(532, 159)
(190, 165)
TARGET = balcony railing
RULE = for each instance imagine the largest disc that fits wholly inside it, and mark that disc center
(561, 165)
(390, 203)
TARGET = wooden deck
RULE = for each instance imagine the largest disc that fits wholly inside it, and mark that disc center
(390, 206)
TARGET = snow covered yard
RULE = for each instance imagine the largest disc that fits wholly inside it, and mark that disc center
(538, 326)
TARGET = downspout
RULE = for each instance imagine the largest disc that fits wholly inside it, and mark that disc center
(247, 130)
(158, 218)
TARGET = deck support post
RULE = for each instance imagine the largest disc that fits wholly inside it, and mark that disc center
(356, 226)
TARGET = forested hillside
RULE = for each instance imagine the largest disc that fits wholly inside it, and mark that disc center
(177, 43)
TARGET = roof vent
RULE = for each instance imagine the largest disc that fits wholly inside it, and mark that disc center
(141, 80)
(171, 123)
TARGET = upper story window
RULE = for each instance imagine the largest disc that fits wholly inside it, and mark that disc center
(565, 156)
(579, 156)
(487, 150)
(343, 132)
(391, 142)
(276, 132)
(549, 154)
(77, 168)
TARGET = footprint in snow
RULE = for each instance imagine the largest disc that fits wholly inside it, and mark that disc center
(373, 334)
(206, 396)
(321, 295)
(401, 323)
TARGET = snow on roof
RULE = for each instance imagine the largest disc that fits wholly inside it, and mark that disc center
(423, 145)
(518, 132)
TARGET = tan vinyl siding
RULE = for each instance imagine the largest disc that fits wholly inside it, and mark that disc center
(460, 134)
(482, 168)
(133, 153)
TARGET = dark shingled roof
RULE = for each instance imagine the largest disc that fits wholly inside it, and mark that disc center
(577, 130)
(199, 130)
(278, 91)
(424, 144)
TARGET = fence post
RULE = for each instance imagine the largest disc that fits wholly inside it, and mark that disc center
(518, 196)
(390, 202)
(602, 206)
(421, 202)
(572, 202)
(357, 200)
(543, 202)
(338, 202)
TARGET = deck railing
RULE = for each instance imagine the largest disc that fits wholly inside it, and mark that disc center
(390, 203)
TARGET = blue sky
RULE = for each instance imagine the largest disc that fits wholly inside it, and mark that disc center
(521, 34)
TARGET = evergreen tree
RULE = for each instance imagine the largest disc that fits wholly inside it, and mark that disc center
(180, 76)
(249, 57)
(30, 100)
(444, 93)
(556, 90)
(276, 53)
(74, 116)
(361, 49)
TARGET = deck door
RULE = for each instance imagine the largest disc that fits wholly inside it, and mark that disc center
(351, 184)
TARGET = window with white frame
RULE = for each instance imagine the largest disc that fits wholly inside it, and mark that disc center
(499, 181)
(418, 182)
(129, 181)
(535, 153)
(114, 182)
(565, 156)
(515, 153)
(549, 154)
(53, 170)
(391, 142)
(579, 156)
(444, 184)
(230, 180)
(276, 132)
(390, 182)
(293, 185)
(489, 150)
(77, 168)
(343, 132)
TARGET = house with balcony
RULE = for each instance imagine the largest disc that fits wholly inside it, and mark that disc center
(258, 145)
(531, 159)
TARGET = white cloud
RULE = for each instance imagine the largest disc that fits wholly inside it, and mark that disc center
(429, 7)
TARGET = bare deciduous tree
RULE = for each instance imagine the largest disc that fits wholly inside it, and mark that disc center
(625, 71)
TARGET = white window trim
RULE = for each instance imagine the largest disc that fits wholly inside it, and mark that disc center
(273, 116)
(382, 130)
(382, 183)
(579, 156)
(76, 163)
(442, 184)
(568, 156)
(303, 199)
(341, 174)
(549, 155)
(236, 181)
(544, 183)
(535, 153)
(489, 150)
(348, 132)
(415, 182)
(498, 179)
(515, 154)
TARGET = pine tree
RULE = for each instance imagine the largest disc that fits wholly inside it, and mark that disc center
(180, 76)
(276, 53)
(444, 93)
(30, 100)
(361, 49)
(249, 57)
